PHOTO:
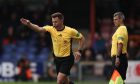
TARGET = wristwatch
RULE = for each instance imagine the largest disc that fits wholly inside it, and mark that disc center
(80, 51)
(117, 56)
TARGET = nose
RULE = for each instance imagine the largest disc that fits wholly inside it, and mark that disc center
(54, 24)
(114, 21)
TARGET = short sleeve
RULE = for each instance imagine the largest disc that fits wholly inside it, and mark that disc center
(121, 35)
(47, 28)
(75, 34)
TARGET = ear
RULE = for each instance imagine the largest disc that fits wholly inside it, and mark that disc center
(121, 19)
(62, 20)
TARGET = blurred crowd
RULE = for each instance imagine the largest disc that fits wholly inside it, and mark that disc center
(17, 41)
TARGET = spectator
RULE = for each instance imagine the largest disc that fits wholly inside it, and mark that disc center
(1, 39)
(132, 50)
(51, 70)
(9, 39)
(24, 71)
(138, 55)
(88, 55)
(99, 44)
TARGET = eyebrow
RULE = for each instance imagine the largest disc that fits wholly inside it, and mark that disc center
(115, 18)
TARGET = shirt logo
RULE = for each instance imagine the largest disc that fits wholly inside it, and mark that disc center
(120, 38)
(60, 35)
(65, 41)
(78, 34)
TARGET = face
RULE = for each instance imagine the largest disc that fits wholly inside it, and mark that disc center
(117, 21)
(57, 23)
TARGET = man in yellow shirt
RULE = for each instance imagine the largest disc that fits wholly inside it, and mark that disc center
(62, 44)
(119, 45)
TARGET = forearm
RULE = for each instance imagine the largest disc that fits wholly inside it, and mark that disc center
(81, 43)
(120, 46)
(34, 27)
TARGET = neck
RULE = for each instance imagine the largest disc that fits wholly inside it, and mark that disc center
(122, 24)
(61, 28)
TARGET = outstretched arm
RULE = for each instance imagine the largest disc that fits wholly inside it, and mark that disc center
(31, 25)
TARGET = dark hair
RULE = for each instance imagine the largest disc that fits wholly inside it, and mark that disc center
(120, 15)
(58, 14)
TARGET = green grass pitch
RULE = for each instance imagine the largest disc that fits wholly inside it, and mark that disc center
(86, 82)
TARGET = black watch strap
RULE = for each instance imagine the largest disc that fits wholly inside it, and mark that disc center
(80, 51)
(117, 56)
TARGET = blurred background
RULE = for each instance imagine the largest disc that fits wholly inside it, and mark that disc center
(27, 56)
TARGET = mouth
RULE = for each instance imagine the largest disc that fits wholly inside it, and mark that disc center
(55, 26)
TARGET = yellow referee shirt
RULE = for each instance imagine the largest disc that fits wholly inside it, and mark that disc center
(120, 36)
(62, 40)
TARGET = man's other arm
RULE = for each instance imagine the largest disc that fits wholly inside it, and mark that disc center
(120, 46)
(81, 43)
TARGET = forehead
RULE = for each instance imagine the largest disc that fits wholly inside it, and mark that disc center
(116, 17)
(55, 18)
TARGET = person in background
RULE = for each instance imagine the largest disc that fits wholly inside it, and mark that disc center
(24, 71)
(119, 45)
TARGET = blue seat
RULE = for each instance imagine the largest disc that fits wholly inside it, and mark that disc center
(21, 49)
(31, 56)
(7, 57)
(9, 48)
(42, 57)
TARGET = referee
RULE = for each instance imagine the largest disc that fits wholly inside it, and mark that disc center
(119, 45)
(62, 45)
